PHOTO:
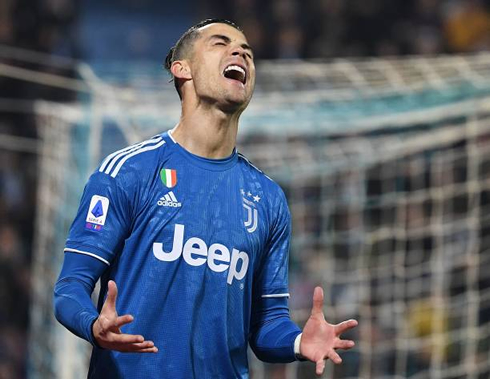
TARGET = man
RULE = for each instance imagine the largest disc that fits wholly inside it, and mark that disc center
(195, 237)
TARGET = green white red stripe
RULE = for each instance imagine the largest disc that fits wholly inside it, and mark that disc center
(169, 177)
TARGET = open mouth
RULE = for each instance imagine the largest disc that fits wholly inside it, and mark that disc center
(236, 73)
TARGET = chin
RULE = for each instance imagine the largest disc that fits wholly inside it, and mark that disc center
(235, 103)
(233, 107)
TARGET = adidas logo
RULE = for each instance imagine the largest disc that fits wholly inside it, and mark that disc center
(169, 200)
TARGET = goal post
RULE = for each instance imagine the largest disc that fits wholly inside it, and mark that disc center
(386, 167)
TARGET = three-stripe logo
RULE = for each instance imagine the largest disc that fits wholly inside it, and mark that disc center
(169, 200)
(113, 163)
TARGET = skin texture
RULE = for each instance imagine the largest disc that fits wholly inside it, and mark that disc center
(211, 103)
(211, 107)
(320, 339)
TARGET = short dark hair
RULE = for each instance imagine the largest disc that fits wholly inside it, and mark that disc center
(181, 48)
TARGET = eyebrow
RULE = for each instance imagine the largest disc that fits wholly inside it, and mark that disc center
(227, 39)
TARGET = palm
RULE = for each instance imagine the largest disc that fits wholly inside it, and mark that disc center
(320, 339)
(108, 317)
(318, 336)
(107, 328)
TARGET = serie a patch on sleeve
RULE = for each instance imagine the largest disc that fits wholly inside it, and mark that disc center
(97, 213)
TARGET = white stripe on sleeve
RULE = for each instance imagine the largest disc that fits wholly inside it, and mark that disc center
(148, 148)
(126, 150)
(87, 253)
(136, 148)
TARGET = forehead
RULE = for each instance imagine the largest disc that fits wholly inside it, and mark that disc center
(222, 29)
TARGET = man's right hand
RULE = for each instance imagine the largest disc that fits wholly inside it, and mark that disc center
(107, 328)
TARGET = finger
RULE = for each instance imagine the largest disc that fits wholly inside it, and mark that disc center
(320, 366)
(125, 338)
(127, 347)
(149, 350)
(344, 344)
(344, 326)
(317, 302)
(124, 320)
(334, 357)
(153, 349)
(110, 302)
(106, 323)
(146, 346)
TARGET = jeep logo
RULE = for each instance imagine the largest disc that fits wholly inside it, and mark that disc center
(196, 253)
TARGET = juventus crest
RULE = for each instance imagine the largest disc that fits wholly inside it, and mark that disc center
(252, 215)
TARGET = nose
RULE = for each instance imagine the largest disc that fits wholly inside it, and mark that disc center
(239, 51)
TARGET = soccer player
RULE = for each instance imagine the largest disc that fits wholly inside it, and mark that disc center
(195, 237)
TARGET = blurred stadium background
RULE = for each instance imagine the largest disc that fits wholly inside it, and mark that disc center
(374, 116)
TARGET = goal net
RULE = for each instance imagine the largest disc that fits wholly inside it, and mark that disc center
(386, 166)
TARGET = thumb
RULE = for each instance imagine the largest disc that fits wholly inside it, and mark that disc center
(110, 302)
(317, 309)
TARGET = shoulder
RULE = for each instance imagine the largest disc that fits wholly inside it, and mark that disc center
(252, 169)
(271, 191)
(128, 169)
(134, 158)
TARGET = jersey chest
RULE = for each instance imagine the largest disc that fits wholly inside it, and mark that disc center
(206, 218)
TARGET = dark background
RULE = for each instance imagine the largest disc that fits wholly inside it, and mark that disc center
(98, 31)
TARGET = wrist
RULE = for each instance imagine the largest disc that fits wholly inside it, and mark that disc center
(94, 339)
(297, 348)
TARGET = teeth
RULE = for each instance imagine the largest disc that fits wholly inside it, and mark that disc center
(236, 68)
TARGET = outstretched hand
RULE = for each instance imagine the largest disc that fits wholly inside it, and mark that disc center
(107, 328)
(320, 339)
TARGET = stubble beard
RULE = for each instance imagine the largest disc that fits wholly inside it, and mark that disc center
(231, 102)
(223, 96)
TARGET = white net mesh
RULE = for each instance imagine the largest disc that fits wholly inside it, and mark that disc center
(386, 165)
(53, 351)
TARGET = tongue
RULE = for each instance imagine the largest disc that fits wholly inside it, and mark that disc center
(235, 75)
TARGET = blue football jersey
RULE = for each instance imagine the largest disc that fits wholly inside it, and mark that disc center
(192, 243)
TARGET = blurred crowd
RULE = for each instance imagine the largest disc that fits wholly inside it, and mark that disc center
(382, 238)
(39, 26)
(275, 28)
(351, 28)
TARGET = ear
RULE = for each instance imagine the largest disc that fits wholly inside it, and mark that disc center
(181, 70)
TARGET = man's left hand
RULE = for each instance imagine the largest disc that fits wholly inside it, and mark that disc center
(320, 339)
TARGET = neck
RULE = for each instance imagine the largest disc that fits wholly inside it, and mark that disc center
(207, 131)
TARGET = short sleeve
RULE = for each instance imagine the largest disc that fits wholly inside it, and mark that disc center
(272, 278)
(103, 219)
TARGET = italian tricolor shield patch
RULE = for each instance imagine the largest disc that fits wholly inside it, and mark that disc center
(169, 177)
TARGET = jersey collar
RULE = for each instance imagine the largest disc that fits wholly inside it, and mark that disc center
(221, 164)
